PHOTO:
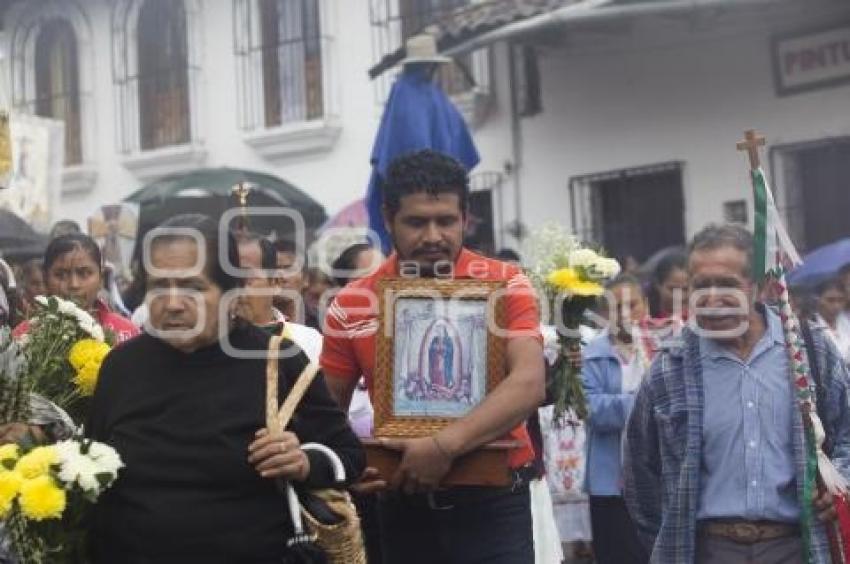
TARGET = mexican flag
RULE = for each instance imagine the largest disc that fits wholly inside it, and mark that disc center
(774, 255)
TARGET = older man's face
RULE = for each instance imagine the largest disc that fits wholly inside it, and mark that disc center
(255, 306)
(722, 293)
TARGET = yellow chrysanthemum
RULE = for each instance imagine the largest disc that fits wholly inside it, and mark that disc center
(585, 289)
(562, 278)
(36, 462)
(86, 351)
(86, 378)
(567, 280)
(10, 485)
(41, 499)
(9, 451)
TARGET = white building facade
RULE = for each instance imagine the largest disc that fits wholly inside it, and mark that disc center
(632, 140)
(152, 87)
(619, 122)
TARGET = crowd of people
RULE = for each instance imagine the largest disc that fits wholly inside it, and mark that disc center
(692, 429)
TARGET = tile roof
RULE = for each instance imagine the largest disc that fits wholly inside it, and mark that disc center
(474, 20)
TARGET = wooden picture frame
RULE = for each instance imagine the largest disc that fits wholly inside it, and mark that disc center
(437, 353)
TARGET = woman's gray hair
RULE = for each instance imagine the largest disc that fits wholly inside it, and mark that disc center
(715, 236)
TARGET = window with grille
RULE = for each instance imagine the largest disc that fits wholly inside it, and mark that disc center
(280, 50)
(57, 88)
(163, 74)
(394, 21)
(611, 208)
(416, 15)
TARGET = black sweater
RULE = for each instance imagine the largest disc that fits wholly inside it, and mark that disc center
(182, 424)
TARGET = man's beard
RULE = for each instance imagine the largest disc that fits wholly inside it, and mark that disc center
(441, 266)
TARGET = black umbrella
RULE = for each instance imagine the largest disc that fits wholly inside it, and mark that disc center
(210, 191)
(17, 239)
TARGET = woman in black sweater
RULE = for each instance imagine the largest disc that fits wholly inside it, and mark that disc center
(187, 417)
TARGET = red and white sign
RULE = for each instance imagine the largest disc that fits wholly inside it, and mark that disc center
(812, 61)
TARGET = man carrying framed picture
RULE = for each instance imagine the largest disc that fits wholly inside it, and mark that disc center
(425, 210)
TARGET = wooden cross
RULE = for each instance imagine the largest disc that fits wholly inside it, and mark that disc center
(241, 191)
(751, 143)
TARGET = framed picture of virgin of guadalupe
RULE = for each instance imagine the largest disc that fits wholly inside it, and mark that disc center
(439, 352)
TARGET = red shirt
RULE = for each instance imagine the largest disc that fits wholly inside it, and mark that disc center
(121, 327)
(351, 323)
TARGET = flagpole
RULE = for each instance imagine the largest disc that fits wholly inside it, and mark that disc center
(773, 251)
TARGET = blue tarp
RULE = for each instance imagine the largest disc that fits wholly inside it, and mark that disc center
(418, 115)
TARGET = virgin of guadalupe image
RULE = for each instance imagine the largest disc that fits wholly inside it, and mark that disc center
(441, 360)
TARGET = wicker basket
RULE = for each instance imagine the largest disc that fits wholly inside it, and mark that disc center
(343, 543)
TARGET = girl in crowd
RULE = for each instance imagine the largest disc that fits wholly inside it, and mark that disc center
(613, 366)
(668, 294)
(831, 304)
(73, 270)
(32, 285)
(355, 262)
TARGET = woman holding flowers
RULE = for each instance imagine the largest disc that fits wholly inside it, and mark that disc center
(613, 366)
(73, 270)
(73, 276)
(186, 413)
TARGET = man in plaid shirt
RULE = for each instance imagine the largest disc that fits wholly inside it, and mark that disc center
(715, 453)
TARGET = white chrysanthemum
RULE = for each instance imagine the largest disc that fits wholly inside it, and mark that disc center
(583, 258)
(67, 308)
(84, 469)
(106, 458)
(41, 300)
(608, 267)
(70, 461)
(88, 471)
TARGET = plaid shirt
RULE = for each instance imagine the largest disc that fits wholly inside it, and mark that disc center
(664, 447)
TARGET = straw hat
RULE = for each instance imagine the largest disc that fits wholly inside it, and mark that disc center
(422, 48)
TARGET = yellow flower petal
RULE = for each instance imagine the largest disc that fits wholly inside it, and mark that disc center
(563, 278)
(586, 289)
(36, 462)
(85, 351)
(86, 378)
(9, 451)
(41, 499)
(10, 485)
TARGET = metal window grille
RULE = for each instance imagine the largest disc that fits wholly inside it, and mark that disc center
(393, 21)
(163, 78)
(485, 211)
(153, 75)
(280, 50)
(57, 88)
(586, 214)
(810, 224)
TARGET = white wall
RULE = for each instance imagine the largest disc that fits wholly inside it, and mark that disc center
(333, 178)
(626, 94)
(657, 91)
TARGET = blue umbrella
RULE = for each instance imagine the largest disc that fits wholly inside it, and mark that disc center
(418, 116)
(821, 264)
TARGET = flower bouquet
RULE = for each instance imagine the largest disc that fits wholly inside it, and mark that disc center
(45, 492)
(63, 351)
(571, 277)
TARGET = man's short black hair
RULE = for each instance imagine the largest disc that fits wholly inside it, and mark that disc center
(207, 229)
(426, 171)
